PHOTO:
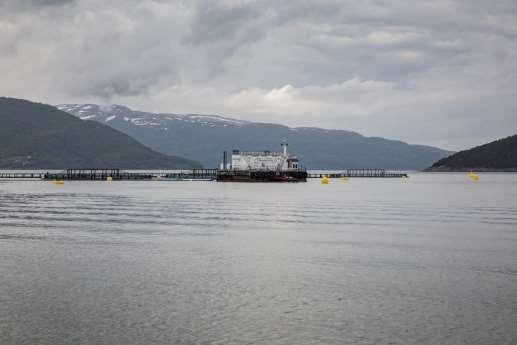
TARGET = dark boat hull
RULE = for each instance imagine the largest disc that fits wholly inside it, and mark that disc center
(261, 176)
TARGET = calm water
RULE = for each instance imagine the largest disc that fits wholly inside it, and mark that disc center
(427, 260)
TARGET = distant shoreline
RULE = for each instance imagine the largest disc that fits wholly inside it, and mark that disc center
(447, 169)
(429, 170)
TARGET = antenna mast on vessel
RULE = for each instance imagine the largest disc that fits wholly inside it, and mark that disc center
(284, 146)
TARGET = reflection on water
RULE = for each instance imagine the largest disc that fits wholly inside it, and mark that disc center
(428, 260)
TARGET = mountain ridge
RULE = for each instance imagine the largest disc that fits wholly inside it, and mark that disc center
(205, 137)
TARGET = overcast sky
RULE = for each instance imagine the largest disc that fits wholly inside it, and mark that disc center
(431, 72)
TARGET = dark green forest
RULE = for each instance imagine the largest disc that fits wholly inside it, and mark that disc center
(497, 155)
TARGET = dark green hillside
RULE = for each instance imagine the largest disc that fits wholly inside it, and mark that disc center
(34, 135)
(497, 155)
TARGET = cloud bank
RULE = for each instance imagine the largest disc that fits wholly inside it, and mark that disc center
(441, 72)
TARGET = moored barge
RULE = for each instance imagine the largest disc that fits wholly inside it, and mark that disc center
(262, 166)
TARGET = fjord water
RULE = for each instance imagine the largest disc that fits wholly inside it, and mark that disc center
(427, 260)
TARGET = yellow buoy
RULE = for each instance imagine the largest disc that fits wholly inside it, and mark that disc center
(59, 182)
(324, 180)
(109, 178)
(473, 176)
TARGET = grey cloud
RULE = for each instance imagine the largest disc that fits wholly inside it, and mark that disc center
(28, 5)
(447, 66)
(214, 22)
(48, 2)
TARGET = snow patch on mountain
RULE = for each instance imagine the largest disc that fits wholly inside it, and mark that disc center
(138, 118)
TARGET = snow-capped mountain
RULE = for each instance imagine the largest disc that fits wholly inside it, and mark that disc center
(138, 118)
(204, 137)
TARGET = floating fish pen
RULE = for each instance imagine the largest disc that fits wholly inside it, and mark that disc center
(86, 174)
(195, 175)
(120, 175)
(21, 175)
(373, 173)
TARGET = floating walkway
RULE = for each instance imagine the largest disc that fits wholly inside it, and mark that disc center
(120, 175)
(183, 175)
(21, 175)
(374, 173)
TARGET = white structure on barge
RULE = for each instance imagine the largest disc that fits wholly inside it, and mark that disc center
(264, 160)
